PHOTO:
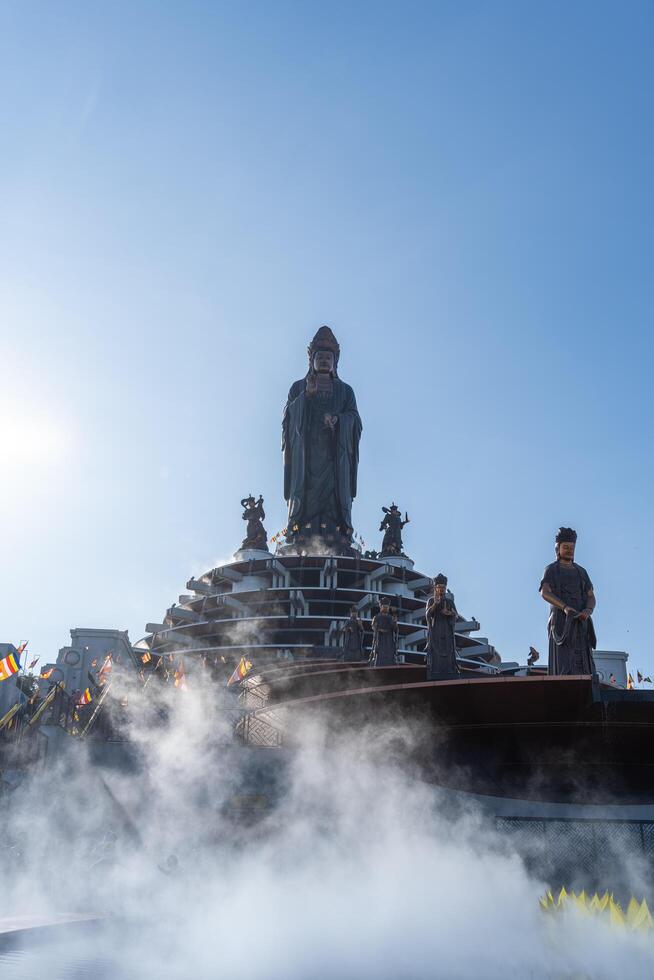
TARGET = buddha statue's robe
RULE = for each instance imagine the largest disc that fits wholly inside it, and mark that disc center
(320, 464)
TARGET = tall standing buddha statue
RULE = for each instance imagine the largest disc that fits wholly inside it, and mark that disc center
(321, 428)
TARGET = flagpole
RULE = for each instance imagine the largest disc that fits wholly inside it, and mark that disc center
(22, 697)
(6, 718)
(101, 701)
(48, 699)
(22, 647)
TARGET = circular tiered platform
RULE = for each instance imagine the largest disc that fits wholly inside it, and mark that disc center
(291, 607)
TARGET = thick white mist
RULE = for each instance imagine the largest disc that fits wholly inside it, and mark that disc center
(354, 873)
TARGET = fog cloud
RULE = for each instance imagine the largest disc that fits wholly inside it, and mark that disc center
(351, 869)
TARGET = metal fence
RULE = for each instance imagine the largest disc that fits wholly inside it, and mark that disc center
(590, 853)
(261, 728)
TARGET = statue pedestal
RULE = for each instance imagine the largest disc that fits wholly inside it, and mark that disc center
(251, 554)
(327, 546)
(397, 561)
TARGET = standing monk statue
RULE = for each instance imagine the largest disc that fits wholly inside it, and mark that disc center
(569, 590)
(384, 637)
(352, 637)
(321, 429)
(441, 619)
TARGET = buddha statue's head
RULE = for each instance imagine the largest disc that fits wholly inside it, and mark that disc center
(324, 352)
(566, 539)
(440, 585)
(323, 362)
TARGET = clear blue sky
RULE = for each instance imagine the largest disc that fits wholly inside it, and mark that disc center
(462, 191)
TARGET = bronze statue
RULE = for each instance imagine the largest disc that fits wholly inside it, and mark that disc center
(392, 525)
(384, 637)
(569, 590)
(321, 429)
(256, 537)
(441, 619)
(352, 637)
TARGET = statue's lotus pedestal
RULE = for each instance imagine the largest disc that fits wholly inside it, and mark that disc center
(320, 546)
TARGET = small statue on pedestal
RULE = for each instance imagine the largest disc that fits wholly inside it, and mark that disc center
(441, 619)
(352, 637)
(384, 637)
(392, 525)
(569, 590)
(256, 538)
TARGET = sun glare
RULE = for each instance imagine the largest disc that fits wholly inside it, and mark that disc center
(32, 439)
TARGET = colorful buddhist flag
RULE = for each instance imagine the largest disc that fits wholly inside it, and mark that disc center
(630, 683)
(647, 680)
(22, 646)
(180, 676)
(106, 668)
(146, 657)
(46, 673)
(639, 676)
(86, 697)
(33, 663)
(9, 666)
(241, 670)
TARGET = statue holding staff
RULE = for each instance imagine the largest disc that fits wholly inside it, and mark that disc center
(441, 619)
(568, 589)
